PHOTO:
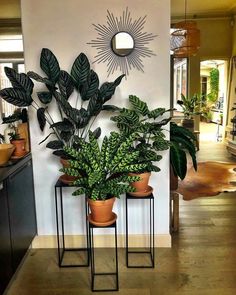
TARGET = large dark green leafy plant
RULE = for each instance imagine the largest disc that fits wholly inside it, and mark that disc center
(148, 125)
(104, 171)
(75, 121)
(182, 142)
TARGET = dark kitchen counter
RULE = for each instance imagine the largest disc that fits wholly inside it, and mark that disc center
(12, 166)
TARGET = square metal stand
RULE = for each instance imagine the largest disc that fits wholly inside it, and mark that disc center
(93, 265)
(151, 249)
(61, 245)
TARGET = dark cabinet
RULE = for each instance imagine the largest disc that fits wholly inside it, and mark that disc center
(5, 240)
(17, 219)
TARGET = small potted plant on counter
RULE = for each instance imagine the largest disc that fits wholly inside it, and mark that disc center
(19, 144)
(103, 171)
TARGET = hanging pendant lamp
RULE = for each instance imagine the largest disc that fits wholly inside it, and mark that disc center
(185, 38)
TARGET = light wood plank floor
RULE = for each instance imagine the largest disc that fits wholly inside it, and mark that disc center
(202, 260)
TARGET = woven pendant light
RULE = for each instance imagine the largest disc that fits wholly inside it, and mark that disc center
(185, 38)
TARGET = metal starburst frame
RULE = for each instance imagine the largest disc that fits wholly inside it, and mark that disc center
(123, 24)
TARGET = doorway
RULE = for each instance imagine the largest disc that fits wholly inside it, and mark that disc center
(213, 78)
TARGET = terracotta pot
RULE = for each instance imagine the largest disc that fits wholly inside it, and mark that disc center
(19, 147)
(101, 211)
(142, 184)
(67, 178)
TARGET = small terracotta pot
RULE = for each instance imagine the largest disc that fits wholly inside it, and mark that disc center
(101, 210)
(142, 184)
(19, 147)
(67, 178)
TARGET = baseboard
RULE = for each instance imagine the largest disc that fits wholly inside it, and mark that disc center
(103, 241)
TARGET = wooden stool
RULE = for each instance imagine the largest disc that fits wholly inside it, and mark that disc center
(174, 211)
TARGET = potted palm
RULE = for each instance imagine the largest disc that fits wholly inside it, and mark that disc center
(191, 105)
(182, 142)
(103, 171)
(151, 140)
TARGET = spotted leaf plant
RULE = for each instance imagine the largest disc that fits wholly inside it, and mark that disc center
(148, 124)
(103, 171)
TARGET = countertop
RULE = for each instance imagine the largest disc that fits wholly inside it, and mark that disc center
(7, 171)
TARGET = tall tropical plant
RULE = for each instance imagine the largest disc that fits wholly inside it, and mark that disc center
(75, 121)
(104, 170)
(182, 141)
(148, 124)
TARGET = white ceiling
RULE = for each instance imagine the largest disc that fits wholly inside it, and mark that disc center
(203, 7)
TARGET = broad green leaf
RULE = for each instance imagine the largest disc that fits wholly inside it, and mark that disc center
(55, 145)
(49, 64)
(45, 97)
(19, 81)
(16, 97)
(91, 86)
(65, 84)
(80, 70)
(108, 89)
(138, 105)
(41, 118)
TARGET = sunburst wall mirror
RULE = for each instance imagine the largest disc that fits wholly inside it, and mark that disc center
(122, 43)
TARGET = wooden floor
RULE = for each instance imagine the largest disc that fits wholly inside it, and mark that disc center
(202, 260)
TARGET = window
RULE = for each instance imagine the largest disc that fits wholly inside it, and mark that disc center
(179, 82)
(6, 108)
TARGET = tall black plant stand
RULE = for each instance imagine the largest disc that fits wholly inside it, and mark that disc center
(151, 248)
(93, 226)
(61, 242)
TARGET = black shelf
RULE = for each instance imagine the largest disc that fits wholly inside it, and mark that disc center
(93, 264)
(61, 241)
(151, 248)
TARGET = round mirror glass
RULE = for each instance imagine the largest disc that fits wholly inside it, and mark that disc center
(122, 44)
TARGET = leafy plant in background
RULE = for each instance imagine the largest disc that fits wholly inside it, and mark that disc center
(190, 105)
(75, 121)
(214, 86)
(146, 123)
(104, 171)
(182, 141)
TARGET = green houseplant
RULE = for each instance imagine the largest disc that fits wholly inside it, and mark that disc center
(191, 105)
(182, 142)
(148, 125)
(60, 86)
(103, 171)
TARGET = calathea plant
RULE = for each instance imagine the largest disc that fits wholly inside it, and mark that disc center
(59, 85)
(182, 141)
(148, 125)
(104, 170)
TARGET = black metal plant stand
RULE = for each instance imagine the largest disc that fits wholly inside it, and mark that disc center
(93, 258)
(150, 250)
(61, 243)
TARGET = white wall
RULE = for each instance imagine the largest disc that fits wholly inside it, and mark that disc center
(65, 27)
